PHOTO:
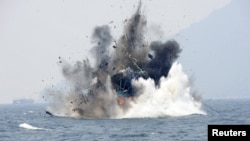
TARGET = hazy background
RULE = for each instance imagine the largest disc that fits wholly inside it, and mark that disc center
(214, 36)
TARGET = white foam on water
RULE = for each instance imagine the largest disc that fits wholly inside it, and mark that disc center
(30, 127)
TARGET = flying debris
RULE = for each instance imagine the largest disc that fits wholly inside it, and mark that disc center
(114, 80)
(150, 56)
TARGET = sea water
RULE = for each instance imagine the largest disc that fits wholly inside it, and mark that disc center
(31, 123)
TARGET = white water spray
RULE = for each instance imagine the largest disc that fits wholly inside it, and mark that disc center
(172, 97)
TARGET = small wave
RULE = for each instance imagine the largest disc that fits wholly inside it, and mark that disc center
(140, 135)
(30, 127)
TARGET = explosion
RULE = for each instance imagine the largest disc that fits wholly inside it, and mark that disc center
(130, 77)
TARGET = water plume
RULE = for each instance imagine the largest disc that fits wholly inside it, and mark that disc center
(129, 77)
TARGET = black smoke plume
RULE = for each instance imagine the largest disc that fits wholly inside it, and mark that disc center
(99, 90)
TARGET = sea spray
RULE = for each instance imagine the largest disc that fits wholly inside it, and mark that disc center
(171, 98)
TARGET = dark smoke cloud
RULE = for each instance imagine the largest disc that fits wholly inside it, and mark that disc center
(96, 88)
(164, 55)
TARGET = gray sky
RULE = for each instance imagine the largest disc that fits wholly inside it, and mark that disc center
(212, 33)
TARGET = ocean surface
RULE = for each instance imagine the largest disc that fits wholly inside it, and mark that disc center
(30, 123)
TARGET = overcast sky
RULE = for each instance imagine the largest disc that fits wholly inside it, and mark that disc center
(214, 36)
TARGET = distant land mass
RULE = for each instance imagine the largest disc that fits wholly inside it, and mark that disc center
(23, 101)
